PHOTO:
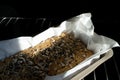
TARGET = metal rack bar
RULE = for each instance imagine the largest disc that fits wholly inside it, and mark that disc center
(94, 75)
(106, 74)
(116, 67)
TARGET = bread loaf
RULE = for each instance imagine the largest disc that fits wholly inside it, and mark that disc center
(50, 57)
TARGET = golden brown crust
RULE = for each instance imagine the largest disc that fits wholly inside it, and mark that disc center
(73, 51)
(52, 56)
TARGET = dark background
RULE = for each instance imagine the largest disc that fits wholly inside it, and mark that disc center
(105, 14)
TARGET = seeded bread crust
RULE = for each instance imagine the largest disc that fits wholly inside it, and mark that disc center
(50, 57)
(68, 52)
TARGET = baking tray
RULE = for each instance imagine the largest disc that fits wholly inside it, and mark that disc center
(93, 66)
(80, 75)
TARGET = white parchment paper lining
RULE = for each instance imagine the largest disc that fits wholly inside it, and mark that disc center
(80, 25)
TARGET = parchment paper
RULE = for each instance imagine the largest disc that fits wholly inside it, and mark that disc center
(83, 29)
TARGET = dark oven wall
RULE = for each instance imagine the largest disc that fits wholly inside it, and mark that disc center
(105, 15)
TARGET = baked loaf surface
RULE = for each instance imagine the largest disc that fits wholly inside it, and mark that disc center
(50, 57)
